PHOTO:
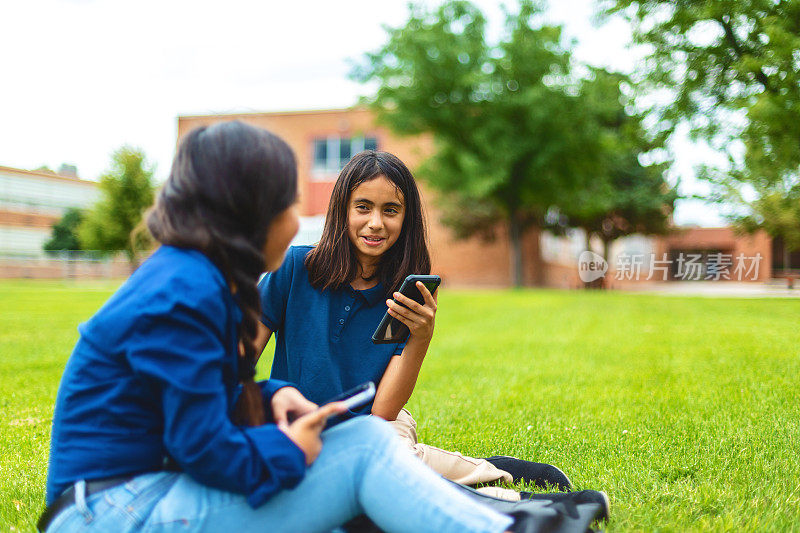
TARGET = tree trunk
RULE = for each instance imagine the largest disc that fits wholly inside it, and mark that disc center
(133, 259)
(606, 255)
(515, 236)
(787, 267)
(588, 247)
(787, 258)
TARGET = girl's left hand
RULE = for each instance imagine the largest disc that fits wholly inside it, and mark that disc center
(287, 402)
(419, 318)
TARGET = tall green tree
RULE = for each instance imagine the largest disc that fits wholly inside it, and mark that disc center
(625, 196)
(511, 133)
(733, 68)
(126, 191)
(65, 232)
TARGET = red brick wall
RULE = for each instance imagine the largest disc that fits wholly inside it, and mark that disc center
(26, 220)
(471, 262)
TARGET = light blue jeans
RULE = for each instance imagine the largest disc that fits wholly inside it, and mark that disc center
(363, 468)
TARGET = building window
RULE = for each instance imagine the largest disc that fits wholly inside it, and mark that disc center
(332, 153)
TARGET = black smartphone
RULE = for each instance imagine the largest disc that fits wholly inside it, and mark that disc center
(355, 397)
(391, 330)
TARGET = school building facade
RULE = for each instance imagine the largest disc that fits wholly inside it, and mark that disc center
(324, 141)
(31, 202)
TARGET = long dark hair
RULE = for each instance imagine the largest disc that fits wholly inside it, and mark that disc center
(227, 183)
(333, 263)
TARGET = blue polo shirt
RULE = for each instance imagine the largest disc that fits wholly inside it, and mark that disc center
(323, 338)
(154, 376)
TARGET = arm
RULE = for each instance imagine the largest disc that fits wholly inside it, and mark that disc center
(401, 374)
(273, 291)
(399, 379)
(181, 353)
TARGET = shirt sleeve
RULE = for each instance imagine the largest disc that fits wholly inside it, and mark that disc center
(274, 291)
(182, 354)
(270, 386)
(400, 347)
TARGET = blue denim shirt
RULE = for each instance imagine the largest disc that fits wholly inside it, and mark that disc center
(153, 375)
(323, 338)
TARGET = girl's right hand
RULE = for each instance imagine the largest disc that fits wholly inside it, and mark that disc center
(304, 431)
(419, 318)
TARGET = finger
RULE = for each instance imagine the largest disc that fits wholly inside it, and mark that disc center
(304, 408)
(333, 408)
(409, 324)
(280, 415)
(321, 415)
(426, 294)
(407, 317)
(420, 315)
(404, 311)
(408, 302)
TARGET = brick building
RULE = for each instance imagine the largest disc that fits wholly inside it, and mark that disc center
(31, 202)
(325, 140)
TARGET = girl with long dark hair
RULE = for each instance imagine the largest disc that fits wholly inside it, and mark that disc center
(159, 424)
(325, 302)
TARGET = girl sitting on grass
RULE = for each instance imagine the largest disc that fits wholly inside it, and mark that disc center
(325, 302)
(148, 434)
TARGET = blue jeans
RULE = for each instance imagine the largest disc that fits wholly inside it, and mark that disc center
(363, 468)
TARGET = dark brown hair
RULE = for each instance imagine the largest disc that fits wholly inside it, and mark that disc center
(333, 263)
(227, 184)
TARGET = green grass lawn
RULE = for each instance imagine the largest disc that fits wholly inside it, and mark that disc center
(684, 410)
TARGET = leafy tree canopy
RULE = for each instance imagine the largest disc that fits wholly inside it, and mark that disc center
(733, 67)
(510, 124)
(626, 196)
(65, 232)
(126, 191)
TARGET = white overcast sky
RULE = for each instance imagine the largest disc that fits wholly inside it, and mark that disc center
(80, 78)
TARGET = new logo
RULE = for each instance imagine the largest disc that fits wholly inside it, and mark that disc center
(591, 266)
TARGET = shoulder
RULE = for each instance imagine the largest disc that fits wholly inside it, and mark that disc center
(294, 264)
(176, 273)
(298, 253)
(172, 280)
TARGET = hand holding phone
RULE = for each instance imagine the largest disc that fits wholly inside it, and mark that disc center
(304, 431)
(413, 307)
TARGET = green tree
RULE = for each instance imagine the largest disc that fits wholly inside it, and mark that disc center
(511, 132)
(625, 197)
(733, 68)
(65, 232)
(126, 191)
(777, 213)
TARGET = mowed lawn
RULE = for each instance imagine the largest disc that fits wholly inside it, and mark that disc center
(684, 410)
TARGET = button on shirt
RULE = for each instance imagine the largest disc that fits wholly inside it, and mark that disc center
(154, 376)
(323, 338)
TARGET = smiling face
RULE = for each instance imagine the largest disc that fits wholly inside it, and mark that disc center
(375, 213)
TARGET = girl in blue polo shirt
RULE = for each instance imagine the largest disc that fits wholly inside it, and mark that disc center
(324, 303)
(159, 425)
